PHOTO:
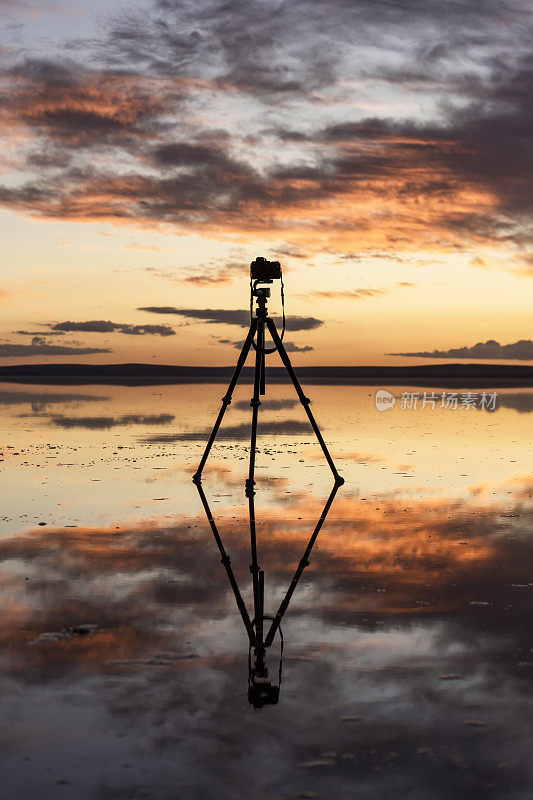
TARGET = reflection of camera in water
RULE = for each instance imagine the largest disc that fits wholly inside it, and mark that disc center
(262, 693)
(265, 271)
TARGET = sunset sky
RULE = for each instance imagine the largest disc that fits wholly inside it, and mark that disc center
(381, 149)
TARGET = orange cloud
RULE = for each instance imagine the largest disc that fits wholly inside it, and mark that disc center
(370, 187)
(77, 108)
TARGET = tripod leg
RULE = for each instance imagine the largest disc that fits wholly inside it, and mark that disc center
(254, 567)
(303, 399)
(255, 401)
(262, 389)
(226, 400)
(226, 561)
(250, 482)
(304, 562)
(259, 648)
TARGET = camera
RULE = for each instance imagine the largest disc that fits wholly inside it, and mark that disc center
(265, 271)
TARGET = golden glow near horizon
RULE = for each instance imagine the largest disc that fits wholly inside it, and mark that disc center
(396, 196)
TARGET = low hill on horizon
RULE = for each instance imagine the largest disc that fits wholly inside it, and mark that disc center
(460, 375)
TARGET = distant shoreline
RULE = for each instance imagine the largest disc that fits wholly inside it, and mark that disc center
(454, 375)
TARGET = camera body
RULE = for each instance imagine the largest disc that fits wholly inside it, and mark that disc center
(265, 271)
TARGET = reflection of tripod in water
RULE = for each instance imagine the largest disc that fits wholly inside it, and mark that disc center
(261, 691)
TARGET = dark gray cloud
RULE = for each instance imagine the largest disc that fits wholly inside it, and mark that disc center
(290, 347)
(105, 423)
(39, 333)
(519, 351)
(243, 46)
(285, 427)
(267, 405)
(210, 315)
(466, 150)
(272, 52)
(42, 348)
(231, 317)
(39, 400)
(185, 154)
(105, 326)
(518, 401)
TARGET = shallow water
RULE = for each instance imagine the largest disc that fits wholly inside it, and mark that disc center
(408, 652)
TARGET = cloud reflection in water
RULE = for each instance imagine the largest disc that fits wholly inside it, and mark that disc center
(413, 615)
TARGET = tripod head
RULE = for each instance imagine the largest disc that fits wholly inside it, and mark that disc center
(261, 291)
(261, 690)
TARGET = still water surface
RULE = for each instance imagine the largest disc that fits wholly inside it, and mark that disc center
(408, 646)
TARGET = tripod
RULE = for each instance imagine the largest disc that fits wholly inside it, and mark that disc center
(257, 326)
